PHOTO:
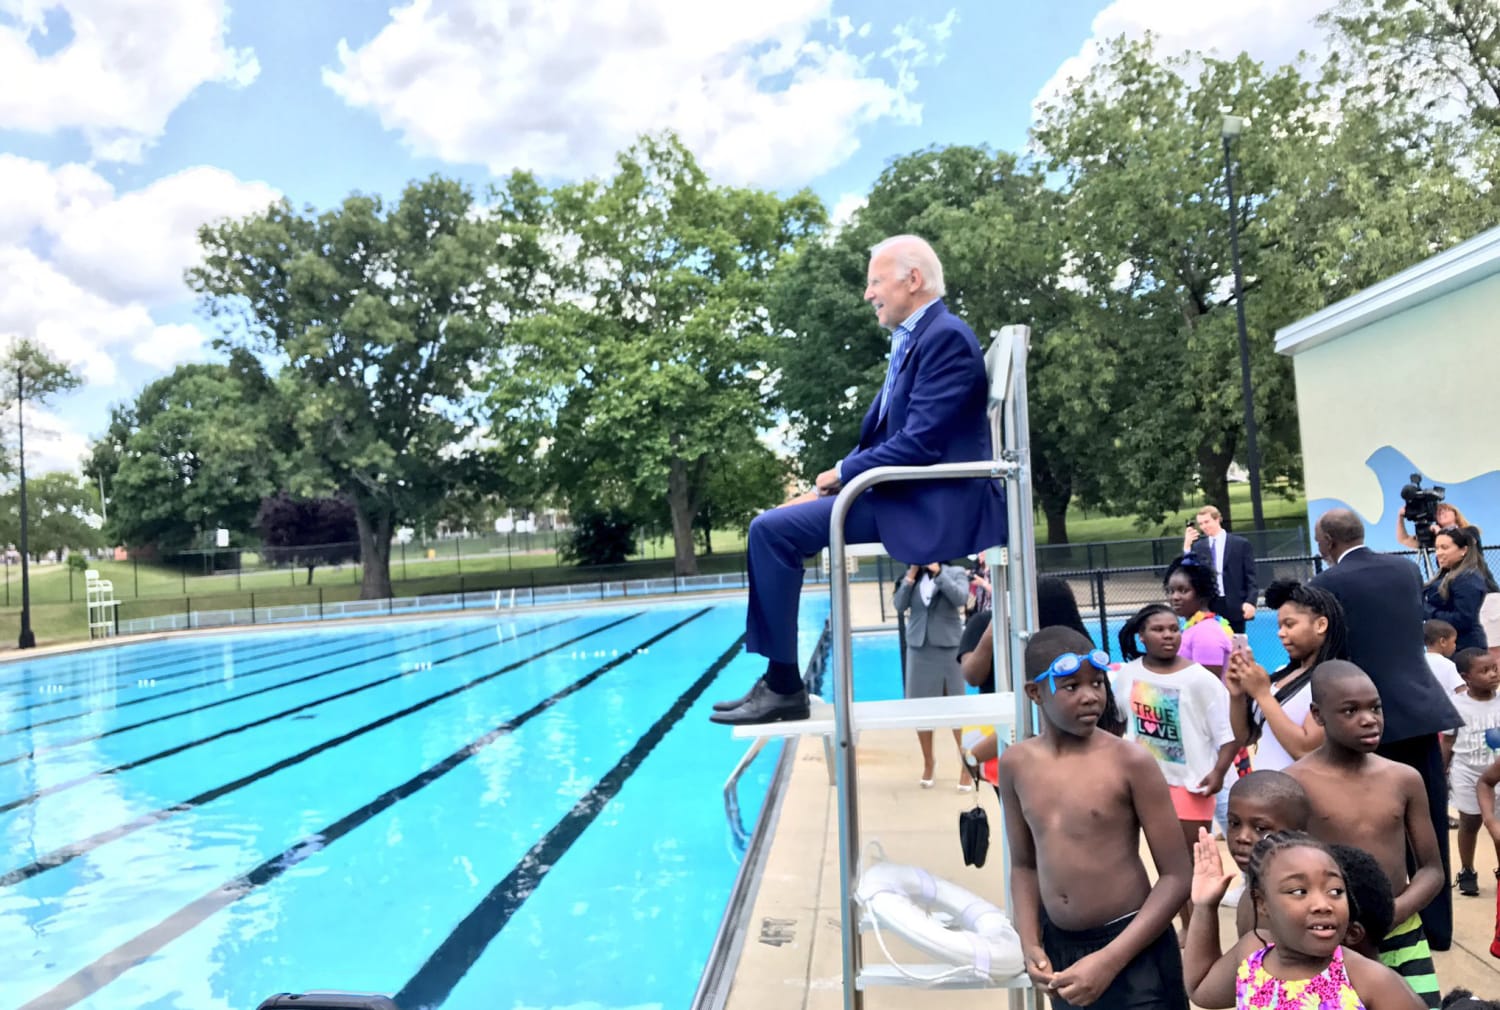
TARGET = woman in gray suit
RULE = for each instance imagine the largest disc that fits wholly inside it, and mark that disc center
(934, 596)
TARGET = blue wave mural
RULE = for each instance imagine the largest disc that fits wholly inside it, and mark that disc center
(1478, 498)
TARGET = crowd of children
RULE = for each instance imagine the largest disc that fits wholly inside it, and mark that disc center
(1329, 917)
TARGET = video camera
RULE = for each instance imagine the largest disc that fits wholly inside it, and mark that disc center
(1421, 509)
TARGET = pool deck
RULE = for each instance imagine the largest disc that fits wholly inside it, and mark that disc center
(792, 955)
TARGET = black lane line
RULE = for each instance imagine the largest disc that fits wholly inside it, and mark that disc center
(434, 981)
(51, 790)
(50, 747)
(142, 664)
(342, 649)
(94, 976)
(67, 853)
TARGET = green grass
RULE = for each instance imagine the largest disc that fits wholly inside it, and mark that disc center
(1084, 528)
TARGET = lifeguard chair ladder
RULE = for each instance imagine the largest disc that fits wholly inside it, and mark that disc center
(1013, 624)
(99, 598)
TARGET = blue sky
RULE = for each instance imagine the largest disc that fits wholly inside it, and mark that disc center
(125, 127)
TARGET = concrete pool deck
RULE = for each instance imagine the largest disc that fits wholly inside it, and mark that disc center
(792, 955)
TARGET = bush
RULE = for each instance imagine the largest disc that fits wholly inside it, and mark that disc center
(599, 538)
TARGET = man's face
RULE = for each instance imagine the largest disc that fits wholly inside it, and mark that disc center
(892, 290)
(1209, 523)
(1325, 544)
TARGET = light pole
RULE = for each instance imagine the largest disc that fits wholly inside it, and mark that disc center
(28, 637)
(1232, 127)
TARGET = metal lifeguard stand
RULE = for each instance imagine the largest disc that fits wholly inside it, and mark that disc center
(103, 608)
(1013, 624)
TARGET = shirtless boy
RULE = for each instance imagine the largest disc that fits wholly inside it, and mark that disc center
(1095, 930)
(1361, 799)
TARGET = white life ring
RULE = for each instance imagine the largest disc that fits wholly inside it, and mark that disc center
(972, 934)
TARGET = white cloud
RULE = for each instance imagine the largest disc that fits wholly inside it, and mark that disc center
(128, 65)
(844, 209)
(51, 442)
(1272, 31)
(85, 266)
(772, 95)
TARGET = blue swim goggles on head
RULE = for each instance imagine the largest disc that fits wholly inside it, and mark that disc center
(1071, 662)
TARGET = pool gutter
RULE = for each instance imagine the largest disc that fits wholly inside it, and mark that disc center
(729, 942)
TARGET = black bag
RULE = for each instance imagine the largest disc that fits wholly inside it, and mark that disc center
(974, 835)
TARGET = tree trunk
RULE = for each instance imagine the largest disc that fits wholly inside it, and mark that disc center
(375, 527)
(1054, 494)
(682, 499)
(1213, 474)
(309, 573)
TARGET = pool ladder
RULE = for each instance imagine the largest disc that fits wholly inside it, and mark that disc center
(839, 723)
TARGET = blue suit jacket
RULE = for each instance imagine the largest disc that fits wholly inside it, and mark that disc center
(935, 414)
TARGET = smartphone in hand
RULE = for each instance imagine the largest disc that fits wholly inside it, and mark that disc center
(1240, 643)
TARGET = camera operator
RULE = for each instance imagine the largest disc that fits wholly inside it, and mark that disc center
(1446, 514)
(1456, 593)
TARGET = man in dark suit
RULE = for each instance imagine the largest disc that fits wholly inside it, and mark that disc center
(931, 409)
(1382, 600)
(1233, 562)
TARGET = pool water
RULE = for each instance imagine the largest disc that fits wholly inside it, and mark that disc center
(517, 811)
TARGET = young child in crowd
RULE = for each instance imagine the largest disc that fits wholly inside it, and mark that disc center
(1179, 712)
(1094, 929)
(1260, 804)
(1484, 794)
(1441, 639)
(1206, 637)
(1372, 907)
(1358, 798)
(1469, 750)
(1272, 710)
(1295, 958)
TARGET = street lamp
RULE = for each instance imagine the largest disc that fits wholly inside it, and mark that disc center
(28, 637)
(1233, 126)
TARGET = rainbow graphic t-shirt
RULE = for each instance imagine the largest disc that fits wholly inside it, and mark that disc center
(1156, 718)
(1182, 718)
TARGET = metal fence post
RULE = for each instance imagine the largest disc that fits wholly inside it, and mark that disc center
(135, 564)
(1103, 615)
(463, 594)
(458, 555)
(320, 603)
(70, 583)
(252, 608)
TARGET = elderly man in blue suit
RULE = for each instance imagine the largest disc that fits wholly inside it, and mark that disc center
(931, 409)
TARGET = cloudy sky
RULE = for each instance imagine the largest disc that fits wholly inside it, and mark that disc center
(125, 124)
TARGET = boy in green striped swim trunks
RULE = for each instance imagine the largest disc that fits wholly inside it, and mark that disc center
(1361, 799)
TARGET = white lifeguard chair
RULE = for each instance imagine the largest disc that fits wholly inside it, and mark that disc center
(99, 598)
(840, 722)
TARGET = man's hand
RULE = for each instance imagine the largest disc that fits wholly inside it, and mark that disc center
(801, 499)
(913, 572)
(1085, 980)
(828, 482)
(1189, 538)
(1247, 610)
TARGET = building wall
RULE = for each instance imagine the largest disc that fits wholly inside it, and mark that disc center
(1417, 392)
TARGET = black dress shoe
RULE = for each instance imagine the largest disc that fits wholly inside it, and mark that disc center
(733, 703)
(764, 705)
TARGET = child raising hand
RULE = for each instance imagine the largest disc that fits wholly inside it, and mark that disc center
(1301, 903)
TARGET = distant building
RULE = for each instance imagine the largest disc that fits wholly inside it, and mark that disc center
(1399, 379)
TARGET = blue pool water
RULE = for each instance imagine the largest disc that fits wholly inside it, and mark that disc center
(522, 811)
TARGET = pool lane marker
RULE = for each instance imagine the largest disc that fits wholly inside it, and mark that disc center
(59, 787)
(142, 663)
(434, 981)
(72, 851)
(89, 979)
(365, 642)
(238, 697)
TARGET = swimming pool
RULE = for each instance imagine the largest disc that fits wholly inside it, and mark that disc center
(522, 811)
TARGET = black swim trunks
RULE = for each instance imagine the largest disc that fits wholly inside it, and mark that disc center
(1153, 981)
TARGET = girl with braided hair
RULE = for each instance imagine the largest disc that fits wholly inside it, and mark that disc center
(1294, 958)
(1274, 711)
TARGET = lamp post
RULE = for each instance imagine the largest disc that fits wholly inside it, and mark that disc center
(1233, 125)
(28, 637)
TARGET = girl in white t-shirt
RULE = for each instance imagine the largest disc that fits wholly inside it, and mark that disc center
(1273, 710)
(1179, 712)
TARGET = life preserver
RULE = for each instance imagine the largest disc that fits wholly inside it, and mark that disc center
(972, 934)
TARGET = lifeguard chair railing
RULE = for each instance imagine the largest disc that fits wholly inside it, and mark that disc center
(1011, 628)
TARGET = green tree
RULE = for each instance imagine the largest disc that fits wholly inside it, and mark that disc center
(650, 359)
(375, 320)
(62, 511)
(1429, 50)
(1330, 200)
(197, 450)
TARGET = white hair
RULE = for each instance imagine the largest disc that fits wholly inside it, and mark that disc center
(912, 252)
